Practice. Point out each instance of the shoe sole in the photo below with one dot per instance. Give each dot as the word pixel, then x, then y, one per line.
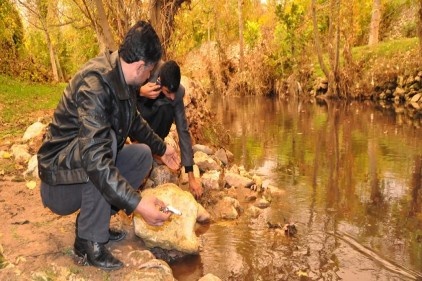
pixel 118 239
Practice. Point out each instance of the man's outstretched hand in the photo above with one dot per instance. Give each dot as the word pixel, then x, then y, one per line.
pixel 171 159
pixel 149 209
pixel 194 186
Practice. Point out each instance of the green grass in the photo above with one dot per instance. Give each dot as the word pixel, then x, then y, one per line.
pixel 372 56
pixel 22 103
pixel 385 50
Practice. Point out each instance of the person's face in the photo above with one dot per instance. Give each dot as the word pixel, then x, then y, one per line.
pixel 167 93
pixel 140 72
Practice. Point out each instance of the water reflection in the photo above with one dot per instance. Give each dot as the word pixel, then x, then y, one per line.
pixel 352 176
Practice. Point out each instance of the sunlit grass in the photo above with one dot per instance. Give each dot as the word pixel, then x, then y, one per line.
pixel 22 102
pixel 391 51
pixel 385 50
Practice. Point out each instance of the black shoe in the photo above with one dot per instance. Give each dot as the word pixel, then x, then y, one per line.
pixel 116 235
pixel 96 254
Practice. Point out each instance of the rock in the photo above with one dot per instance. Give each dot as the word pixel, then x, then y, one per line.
pixel 210 180
pixel 209 277
pixel 32 169
pixel 237 180
pixel 222 156
pixel 205 149
pixel 262 203
pixel 152 270
pixel 227 208
pixel 33 130
pixel 205 162
pixel 161 174
pixel 179 232
pixel 20 153
pixel 253 211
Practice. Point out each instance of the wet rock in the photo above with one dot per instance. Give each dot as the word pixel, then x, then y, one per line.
pixel 227 208
pixel 179 232
pixel 253 211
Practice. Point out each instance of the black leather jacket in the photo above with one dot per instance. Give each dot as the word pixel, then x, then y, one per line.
pixel 78 145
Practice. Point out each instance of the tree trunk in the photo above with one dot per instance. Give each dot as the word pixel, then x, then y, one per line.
pixel 103 29
pixel 162 13
pixel 375 23
pixel 317 41
pixel 239 4
pixel 52 57
pixel 155 16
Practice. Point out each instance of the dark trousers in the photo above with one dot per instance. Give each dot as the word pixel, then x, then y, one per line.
pixel 134 162
pixel 160 118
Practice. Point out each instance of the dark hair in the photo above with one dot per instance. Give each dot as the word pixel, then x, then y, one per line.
pixel 141 43
pixel 170 75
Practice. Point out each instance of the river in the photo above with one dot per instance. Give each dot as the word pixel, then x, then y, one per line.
pixel 351 180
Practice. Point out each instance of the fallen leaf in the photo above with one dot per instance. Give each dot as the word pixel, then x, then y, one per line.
pixel 301 273
pixel 6 155
pixel 31 184
pixel 19 166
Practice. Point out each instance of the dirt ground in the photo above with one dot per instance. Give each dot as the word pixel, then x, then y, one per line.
pixel 36 244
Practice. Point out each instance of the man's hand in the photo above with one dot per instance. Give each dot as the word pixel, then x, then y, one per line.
pixel 150 90
pixel 171 159
pixel 149 209
pixel 194 186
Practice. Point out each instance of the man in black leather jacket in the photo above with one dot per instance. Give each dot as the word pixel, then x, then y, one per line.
pixel 161 104
pixel 84 163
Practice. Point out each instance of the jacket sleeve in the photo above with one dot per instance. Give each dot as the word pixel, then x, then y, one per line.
pixel 95 144
pixel 182 128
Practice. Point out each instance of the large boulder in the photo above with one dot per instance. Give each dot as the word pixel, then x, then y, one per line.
pixel 178 233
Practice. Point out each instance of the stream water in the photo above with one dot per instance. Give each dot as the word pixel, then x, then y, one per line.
pixel 350 174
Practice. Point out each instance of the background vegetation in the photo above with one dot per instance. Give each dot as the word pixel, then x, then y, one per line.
pixel 233 47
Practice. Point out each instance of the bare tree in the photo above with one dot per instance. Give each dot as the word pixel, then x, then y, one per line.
pixel 94 13
pixel 103 28
pixel 375 23
pixel 239 4
pixel 339 29
pixel 40 14
pixel 162 13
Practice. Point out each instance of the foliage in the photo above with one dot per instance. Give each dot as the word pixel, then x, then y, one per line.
pixel 291 22
pixel 11 35
pixel 392 19
pixel 252 33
